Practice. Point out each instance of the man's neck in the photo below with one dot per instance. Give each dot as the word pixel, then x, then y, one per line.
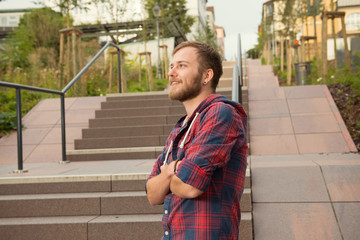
pixel 191 104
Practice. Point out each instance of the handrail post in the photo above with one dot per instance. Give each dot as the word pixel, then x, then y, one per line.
pixel 240 83
pixel 245 71
pixel 119 68
pixel 19 132
pixel 240 60
pixel 63 129
pixel 235 84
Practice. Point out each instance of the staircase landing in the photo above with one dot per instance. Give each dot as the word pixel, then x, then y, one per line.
pixel 305 169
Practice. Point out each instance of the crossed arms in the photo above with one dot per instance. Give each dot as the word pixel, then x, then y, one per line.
pixel 159 186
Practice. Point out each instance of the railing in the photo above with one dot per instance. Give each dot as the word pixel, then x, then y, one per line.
pixel 62 93
pixel 238 75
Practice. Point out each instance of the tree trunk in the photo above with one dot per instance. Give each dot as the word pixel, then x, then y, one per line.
pixel 288 62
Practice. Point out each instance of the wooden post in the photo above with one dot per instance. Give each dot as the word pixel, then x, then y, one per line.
pixel 269 53
pixel 151 87
pixel 122 66
pixel 61 60
pixel 165 63
pixel 68 50
pixel 80 62
pixel 148 72
pixel 73 35
pixel 288 61
pixel 74 63
pixel 334 37
pixel 324 47
pixel 347 55
pixel 111 71
pixel 73 54
pixel 140 82
pixel 281 53
pixel 302 50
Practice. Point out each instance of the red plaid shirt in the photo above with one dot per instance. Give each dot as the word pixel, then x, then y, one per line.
pixel 213 161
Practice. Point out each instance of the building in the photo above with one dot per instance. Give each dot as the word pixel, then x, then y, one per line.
pixel 112 11
pixel 220 35
pixel 197 9
pixel 10 14
pixel 304 32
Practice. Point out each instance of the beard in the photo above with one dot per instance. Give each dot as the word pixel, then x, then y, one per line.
pixel 186 91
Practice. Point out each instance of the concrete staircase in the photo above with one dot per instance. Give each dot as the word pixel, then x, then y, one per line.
pixel 113 206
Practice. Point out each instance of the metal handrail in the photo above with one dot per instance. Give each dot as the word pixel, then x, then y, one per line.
pixel 62 93
pixel 238 75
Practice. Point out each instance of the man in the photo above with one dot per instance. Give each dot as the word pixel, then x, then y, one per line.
pixel 200 175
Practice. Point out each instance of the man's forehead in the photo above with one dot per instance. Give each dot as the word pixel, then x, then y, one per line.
pixel 185 54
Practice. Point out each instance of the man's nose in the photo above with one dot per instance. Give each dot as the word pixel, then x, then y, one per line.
pixel 172 72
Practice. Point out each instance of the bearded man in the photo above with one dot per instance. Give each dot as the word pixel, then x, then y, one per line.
pixel 199 177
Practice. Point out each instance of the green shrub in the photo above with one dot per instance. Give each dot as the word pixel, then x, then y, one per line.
pixel 7 122
pixel 8 107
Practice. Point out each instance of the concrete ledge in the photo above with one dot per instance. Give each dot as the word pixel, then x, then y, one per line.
pixel 115 150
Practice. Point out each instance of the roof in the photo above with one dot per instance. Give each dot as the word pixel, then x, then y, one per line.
pixel 210 9
pixel 219 27
pixel 7 5
pixel 347 3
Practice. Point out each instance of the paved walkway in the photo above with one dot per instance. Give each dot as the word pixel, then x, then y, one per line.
pixel 305 172
pixel 305 178
pixel 42 133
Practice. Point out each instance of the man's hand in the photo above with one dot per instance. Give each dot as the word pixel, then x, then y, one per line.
pixel 159 186
pixel 168 169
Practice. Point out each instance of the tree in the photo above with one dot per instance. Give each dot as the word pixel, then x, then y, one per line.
pixel 170 9
pixel 209 37
pixel 67 5
pixel 39 28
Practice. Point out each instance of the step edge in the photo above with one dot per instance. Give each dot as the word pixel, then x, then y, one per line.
pixel 114 150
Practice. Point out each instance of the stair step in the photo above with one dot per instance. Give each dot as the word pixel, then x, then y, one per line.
pixel 45 228
pixel 138 96
pixel 109 132
pixel 227 72
pixel 93 183
pixel 120 142
pixel 133 121
pixel 225 82
pixel 46 205
pixel 149 111
pixel 114 154
pixel 108 226
pixel 82 204
pixel 129 227
pixel 137 103
pixel 128 203
pixel 141 96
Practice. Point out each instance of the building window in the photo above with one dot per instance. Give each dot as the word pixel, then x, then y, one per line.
pixel 4 21
pixel 269 10
pixel 352 21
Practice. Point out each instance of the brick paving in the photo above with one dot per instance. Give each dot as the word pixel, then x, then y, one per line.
pixel 304 165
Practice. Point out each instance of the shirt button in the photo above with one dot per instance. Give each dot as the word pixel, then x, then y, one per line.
pixel 166 233
pixel 166 212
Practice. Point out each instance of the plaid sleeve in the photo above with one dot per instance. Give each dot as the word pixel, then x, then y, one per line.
pixel 156 168
pixel 218 130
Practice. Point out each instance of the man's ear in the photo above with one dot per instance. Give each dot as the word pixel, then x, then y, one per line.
pixel 208 75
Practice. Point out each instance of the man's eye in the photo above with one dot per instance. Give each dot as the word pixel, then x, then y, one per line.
pixel 181 65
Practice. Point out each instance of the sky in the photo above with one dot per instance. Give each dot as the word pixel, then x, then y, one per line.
pixel 17 4
pixel 235 16
pixel 238 17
